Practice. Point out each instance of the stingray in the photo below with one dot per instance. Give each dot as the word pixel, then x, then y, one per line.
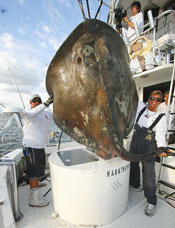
pixel 95 97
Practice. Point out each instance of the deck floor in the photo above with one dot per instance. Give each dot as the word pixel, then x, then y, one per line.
pixel 133 217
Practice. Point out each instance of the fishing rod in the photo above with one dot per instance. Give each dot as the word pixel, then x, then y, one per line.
pixel 16 86
pixel 2 105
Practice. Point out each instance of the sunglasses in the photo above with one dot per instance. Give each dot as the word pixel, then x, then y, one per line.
pixel 155 98
pixel 37 99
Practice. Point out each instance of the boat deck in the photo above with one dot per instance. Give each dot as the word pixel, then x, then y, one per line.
pixel 133 217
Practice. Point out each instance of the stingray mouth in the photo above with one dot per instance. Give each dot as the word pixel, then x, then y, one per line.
pixel 106 149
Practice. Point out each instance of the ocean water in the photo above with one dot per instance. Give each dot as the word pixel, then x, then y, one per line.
pixel 13 139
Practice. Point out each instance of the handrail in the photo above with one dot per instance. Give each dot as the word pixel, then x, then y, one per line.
pixel 13 163
pixel 163 14
pixel 149 23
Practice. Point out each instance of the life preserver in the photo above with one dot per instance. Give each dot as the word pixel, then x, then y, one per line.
pixel 142 51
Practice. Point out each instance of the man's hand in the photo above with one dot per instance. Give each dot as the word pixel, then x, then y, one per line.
pixel 119 31
pixel 125 19
pixel 162 151
pixel 49 101
pixel 162 155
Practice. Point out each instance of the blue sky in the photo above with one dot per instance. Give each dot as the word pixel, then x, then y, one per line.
pixel 31 31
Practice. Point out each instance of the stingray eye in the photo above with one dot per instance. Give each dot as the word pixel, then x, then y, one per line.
pixel 79 60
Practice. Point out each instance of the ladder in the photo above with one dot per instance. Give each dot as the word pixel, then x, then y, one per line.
pixel 163 161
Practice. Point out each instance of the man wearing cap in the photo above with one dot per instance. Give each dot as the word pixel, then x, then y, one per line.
pixel 35 139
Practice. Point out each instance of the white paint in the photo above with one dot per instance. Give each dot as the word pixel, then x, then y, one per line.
pixel 94 193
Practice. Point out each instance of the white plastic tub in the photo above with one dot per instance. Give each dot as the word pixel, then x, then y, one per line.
pixel 86 189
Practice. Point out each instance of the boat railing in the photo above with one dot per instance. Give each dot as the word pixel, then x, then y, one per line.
pixel 151 25
pixel 160 33
pixel 14 115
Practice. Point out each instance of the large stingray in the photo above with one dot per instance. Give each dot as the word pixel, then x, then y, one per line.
pixel 95 97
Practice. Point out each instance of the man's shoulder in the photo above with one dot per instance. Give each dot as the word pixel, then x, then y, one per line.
pixel 138 15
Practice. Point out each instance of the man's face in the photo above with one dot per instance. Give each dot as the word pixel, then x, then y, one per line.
pixel 134 10
pixel 35 102
pixel 153 102
pixel 166 98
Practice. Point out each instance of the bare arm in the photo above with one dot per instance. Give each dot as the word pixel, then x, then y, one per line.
pixel 130 24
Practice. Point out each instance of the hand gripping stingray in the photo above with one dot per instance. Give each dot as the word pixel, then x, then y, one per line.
pixel 95 97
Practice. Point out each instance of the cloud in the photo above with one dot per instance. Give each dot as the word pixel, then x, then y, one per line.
pixel 21 31
pixel 7 40
pixel 54 43
pixel 46 28
pixel 29 46
pixel 42 44
pixel 67 3
pixel 18 62
pixel 21 2
pixel 53 12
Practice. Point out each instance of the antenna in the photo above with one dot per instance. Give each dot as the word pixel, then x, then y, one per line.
pixel 16 86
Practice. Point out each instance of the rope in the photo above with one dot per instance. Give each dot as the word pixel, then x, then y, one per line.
pixel 101 2
pixel 59 141
pixel 87 3
pixel 167 199
pixel 81 8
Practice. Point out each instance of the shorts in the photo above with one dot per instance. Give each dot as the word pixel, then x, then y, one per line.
pixel 35 162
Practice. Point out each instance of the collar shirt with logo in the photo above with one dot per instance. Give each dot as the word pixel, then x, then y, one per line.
pixel 147 118
pixel 36 126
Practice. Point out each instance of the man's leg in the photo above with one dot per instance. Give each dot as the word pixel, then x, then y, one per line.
pixel 149 185
pixel 135 174
pixel 149 180
pixel 137 47
pixel 35 162
pixel 141 60
pixel 33 183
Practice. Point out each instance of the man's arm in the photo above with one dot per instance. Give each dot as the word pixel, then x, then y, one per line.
pixel 161 130
pixel 34 111
pixel 130 24
pixel 138 18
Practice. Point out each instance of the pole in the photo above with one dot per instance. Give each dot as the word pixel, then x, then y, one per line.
pixel 16 86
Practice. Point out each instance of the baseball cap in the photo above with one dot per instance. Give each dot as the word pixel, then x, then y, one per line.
pixel 34 96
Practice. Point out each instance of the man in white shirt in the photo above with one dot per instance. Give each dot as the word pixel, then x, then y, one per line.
pixel 137 17
pixel 35 139
pixel 148 141
pixel 163 108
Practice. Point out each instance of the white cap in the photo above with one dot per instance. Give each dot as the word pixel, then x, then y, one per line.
pixel 35 95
